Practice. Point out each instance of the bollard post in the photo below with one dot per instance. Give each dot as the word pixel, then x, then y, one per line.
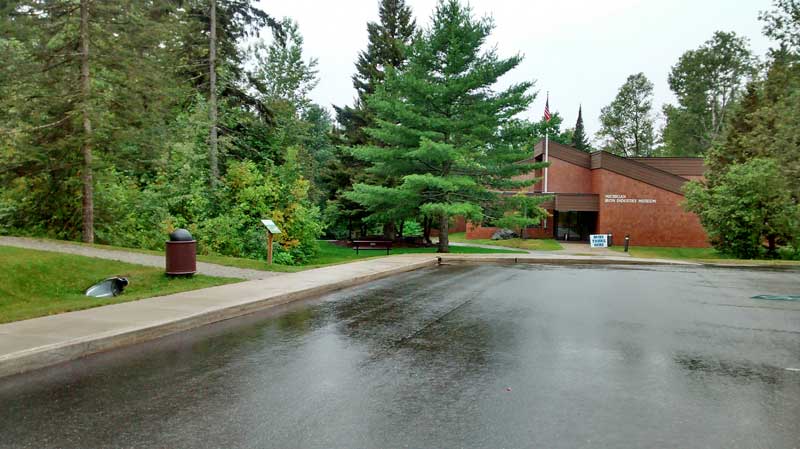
pixel 269 248
pixel 627 241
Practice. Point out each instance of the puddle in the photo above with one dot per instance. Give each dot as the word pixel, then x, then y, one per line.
pixel 778 297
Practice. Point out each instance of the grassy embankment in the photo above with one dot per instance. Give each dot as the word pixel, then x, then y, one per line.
pixel 527 244
pixel 706 255
pixel 37 283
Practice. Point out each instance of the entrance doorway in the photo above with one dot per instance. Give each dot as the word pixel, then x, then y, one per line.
pixel 574 226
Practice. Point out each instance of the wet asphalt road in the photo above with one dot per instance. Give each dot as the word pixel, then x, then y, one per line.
pixel 488 356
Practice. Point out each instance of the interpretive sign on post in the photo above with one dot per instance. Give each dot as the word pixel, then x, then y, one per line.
pixel 598 240
pixel 272 229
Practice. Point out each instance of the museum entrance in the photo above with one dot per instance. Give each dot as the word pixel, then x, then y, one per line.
pixel 574 226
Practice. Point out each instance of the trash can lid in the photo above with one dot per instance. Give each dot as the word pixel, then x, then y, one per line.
pixel 180 235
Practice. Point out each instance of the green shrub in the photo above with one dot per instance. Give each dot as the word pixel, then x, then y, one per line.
pixel 749 205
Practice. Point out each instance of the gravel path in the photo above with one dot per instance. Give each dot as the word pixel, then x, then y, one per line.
pixel 209 269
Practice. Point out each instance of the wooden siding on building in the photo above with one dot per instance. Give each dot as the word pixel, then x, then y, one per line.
pixel 579 202
pixel 666 173
pixel 681 166
pixel 638 171
pixel 565 153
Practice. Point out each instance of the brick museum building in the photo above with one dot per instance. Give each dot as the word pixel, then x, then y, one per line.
pixel 601 193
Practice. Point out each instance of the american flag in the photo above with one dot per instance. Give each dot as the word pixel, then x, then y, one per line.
pixel 547 109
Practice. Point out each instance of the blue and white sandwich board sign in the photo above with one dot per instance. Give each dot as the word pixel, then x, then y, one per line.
pixel 598 240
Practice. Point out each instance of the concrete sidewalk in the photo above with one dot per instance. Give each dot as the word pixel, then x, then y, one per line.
pixel 40 342
pixel 149 260
pixel 569 248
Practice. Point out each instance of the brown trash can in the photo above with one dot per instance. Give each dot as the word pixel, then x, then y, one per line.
pixel 181 254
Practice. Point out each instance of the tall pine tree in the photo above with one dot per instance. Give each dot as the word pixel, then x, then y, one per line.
pixel 443 131
pixel 92 89
pixel 388 41
pixel 579 138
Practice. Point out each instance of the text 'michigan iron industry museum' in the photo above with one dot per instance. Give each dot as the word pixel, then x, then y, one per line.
pixel 602 193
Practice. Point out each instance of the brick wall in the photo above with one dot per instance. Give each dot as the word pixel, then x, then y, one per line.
pixel 563 177
pixel 459 225
pixel 663 223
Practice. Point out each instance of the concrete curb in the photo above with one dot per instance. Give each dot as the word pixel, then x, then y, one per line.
pixel 561 260
pixel 52 354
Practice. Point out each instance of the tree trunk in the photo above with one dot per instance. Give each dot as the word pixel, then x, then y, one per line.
pixel 772 249
pixel 212 95
pixel 389 231
pixel 444 240
pixel 426 230
pixel 86 143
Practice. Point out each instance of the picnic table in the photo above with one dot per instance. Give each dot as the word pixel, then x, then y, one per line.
pixel 372 244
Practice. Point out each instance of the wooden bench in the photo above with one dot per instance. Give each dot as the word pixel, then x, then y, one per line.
pixel 372 244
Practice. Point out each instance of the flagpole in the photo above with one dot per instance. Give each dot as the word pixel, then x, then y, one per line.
pixel 546 158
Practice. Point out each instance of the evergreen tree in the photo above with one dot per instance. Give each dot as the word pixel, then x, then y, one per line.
pixel 71 95
pixel 579 138
pixel 750 203
pixel 386 48
pixel 751 192
pixel 388 40
pixel 443 131
pixel 225 23
pixel 765 123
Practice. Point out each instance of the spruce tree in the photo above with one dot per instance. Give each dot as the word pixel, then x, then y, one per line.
pixel 579 139
pixel 388 40
pixel 442 129
pixel 93 88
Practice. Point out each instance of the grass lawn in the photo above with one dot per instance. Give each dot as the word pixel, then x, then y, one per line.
pixel 328 254
pixel 708 255
pixel 36 283
pixel 528 244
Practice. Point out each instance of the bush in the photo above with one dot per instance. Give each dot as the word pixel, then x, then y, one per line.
pixel 412 229
pixel 789 253
pixel 226 222
pixel 750 204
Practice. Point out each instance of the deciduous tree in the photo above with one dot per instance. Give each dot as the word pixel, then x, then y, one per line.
pixel 748 205
pixel 707 82
pixel 627 123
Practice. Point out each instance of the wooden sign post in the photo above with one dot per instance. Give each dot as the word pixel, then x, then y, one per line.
pixel 272 229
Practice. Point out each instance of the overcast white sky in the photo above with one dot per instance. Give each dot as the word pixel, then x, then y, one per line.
pixel 579 50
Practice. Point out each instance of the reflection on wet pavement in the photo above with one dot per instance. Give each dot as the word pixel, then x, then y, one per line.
pixel 457 356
